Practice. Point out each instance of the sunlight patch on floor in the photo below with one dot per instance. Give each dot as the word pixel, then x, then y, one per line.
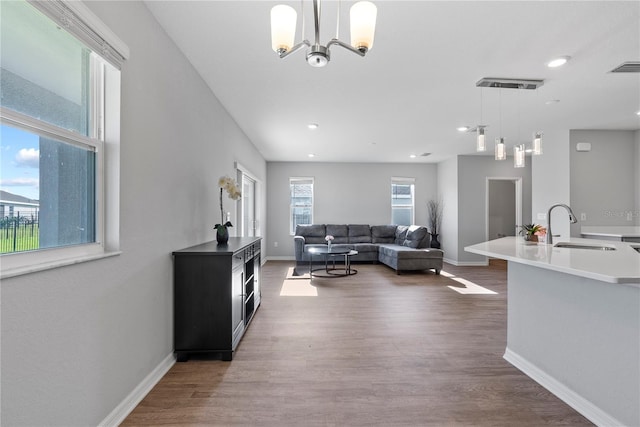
pixel 298 288
pixel 470 288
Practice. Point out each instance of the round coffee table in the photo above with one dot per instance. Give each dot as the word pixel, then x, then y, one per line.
pixel 332 254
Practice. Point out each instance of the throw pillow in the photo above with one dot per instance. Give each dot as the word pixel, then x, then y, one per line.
pixel 415 234
pixel 401 234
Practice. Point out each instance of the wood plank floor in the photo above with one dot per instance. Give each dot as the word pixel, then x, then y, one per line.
pixel 371 349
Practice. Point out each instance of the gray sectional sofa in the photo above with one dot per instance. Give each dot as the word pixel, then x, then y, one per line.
pixel 397 246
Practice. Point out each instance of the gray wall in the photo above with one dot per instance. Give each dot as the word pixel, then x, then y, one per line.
pixel 603 180
pixel 502 208
pixel 473 172
pixel 76 340
pixel 550 180
pixel 344 193
pixel 448 191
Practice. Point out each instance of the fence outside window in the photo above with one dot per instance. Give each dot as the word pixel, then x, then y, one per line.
pixel 19 233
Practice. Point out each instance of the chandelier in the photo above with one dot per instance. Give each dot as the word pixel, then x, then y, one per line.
pixel 283 29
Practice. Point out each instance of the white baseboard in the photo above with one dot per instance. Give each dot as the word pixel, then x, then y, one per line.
pixel 281 258
pixel 564 393
pixel 466 263
pixel 129 403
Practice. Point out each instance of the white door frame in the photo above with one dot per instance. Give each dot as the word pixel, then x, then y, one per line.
pixel 241 170
pixel 518 182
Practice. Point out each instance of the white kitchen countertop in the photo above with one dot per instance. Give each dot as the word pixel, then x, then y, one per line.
pixel 620 231
pixel 619 266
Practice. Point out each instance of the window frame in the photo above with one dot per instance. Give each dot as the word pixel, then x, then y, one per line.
pixel 404 181
pixel 103 140
pixel 292 180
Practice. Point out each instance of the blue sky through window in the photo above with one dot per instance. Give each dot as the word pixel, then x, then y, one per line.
pixel 19 162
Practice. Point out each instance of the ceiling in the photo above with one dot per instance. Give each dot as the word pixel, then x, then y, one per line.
pixel 417 83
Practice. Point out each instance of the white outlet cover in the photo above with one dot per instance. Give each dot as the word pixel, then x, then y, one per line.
pixel 583 146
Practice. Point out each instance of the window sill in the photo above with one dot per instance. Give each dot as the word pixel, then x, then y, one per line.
pixel 19 271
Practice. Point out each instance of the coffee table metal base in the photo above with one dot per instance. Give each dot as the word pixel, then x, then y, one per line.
pixel 332 271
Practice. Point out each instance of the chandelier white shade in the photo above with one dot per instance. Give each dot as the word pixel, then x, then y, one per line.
pixel 363 25
pixel 283 27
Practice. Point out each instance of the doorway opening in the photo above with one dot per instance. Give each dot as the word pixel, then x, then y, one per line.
pixel 504 207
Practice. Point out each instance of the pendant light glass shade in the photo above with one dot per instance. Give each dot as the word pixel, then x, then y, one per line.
pixel 363 25
pixel 481 142
pixel 501 152
pixel 518 156
pixel 537 143
pixel 283 27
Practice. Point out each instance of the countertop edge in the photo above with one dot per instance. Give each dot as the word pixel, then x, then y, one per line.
pixel 623 279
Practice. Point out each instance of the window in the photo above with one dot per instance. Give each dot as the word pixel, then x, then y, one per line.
pixel 301 211
pixel 402 201
pixel 59 121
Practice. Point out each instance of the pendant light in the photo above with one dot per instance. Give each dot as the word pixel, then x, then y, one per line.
pixel 537 144
pixel 519 159
pixel 481 142
pixel 500 150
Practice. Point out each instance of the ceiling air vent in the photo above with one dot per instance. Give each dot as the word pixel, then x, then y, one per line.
pixel 509 83
pixel 425 154
pixel 627 67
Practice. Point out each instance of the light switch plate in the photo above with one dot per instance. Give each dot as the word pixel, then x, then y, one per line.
pixel 542 216
pixel 583 216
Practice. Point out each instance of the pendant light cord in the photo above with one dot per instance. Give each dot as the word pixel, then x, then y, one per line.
pixel 338 21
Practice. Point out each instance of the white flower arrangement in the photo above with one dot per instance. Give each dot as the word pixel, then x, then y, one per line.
pixel 231 187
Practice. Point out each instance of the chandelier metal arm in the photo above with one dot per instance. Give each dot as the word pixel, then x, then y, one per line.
pixel 285 53
pixel 360 52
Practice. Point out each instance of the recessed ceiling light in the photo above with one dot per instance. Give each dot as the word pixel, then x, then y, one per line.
pixel 311 155
pixel 313 126
pixel 552 101
pixel 558 62
pixel 413 156
pixel 463 128
pixel 638 113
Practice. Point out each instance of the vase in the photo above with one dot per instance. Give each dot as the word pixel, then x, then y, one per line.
pixel 434 241
pixel 222 235
pixel 530 237
pixel 329 245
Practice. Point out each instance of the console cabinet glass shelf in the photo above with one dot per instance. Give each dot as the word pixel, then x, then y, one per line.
pixel 216 293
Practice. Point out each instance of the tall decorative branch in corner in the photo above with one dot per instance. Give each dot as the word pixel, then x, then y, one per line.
pixel 228 184
pixel 435 220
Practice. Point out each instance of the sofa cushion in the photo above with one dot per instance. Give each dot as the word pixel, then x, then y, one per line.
pixel 401 234
pixel 383 233
pixel 415 234
pixel 405 252
pixel 340 232
pixel 313 233
pixel 359 233
pixel 365 247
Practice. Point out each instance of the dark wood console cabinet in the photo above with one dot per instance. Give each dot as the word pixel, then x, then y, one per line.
pixel 216 291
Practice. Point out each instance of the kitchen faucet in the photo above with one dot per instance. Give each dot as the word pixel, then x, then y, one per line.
pixel 572 218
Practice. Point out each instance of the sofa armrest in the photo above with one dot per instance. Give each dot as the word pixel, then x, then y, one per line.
pixel 298 247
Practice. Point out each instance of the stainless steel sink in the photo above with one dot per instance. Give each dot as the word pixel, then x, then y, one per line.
pixel 583 246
